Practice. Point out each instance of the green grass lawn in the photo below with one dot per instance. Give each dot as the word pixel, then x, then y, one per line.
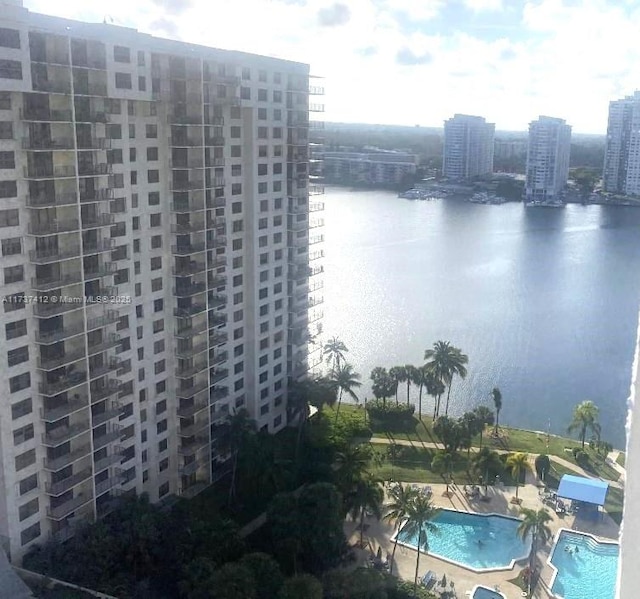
pixel 621 459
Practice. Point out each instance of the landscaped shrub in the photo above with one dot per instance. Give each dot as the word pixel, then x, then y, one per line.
pixel 391 417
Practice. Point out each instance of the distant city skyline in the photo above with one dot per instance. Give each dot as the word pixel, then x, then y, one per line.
pixel 507 61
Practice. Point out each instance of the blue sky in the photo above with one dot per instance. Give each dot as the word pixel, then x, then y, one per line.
pixel 411 62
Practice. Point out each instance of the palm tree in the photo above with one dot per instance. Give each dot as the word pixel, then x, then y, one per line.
pixel 485 462
pixel 484 415
pixel 345 379
pixel 334 351
pixel 497 402
pixel 418 523
pixel 383 384
pixel 446 361
pixel 397 510
pixel 367 496
pixel 238 427
pixel 399 375
pixel 351 465
pixel 410 373
pixel 517 464
pixel 443 464
pixel 534 523
pixel 418 377
pixel 585 417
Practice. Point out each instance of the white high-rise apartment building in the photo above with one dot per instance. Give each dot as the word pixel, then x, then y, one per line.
pixel 468 147
pixel 622 155
pixel 174 181
pixel 547 159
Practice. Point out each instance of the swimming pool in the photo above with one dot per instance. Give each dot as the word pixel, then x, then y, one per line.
pixel 480 592
pixel 479 542
pixel 585 567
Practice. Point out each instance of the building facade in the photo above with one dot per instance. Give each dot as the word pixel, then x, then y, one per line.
pixel 159 261
pixel 548 152
pixel 468 147
pixel 371 167
pixel 621 173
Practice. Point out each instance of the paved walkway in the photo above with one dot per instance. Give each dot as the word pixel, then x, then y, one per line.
pixel 532 456
pixel 612 460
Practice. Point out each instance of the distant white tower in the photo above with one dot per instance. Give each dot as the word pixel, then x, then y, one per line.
pixel 468 147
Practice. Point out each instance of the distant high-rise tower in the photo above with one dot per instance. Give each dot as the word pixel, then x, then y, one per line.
pixel 468 147
pixel 622 155
pixel 547 158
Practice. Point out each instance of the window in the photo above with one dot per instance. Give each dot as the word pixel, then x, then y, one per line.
pixel 238 333
pixel 238 385
pixel 21 435
pixel 10 69
pixel 156 263
pixel 158 325
pixel 13 274
pixel 154 198
pixel 262 95
pixel 236 151
pixel 121 54
pixel 123 80
pixel 163 489
pixel 12 246
pixel 5 101
pixel 277 133
pixel 246 73
pixel 238 315
pixel 277 114
pixel 159 367
pixel 140 58
pixel 156 284
pixel 9 38
pixel 156 240
pixel 236 189
pixel 163 445
pixel 22 408
pixel 114 156
pixel 263 132
pixel 29 534
pixel 25 459
pixel 114 131
pixel 142 83
pixel 18 356
pixel 152 153
pixel 20 382
pixel 245 93
pixel 277 96
pixel 134 177
pixel 236 244
pixel 161 387
pixel 262 169
pixel 262 114
pixel 238 368
pixel 153 176
pixel 28 484
pixel 236 170
pixel 8 189
pixel 158 306
pixel 151 131
pixel 236 132
pixel 7 160
pixel 132 154
pixel 237 226
pixel 6 130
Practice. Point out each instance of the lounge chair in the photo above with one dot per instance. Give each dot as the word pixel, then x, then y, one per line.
pixel 429 579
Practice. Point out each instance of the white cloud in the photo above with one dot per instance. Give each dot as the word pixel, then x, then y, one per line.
pixel 483 5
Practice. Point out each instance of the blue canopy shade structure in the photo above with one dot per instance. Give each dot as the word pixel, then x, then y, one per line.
pixel 579 488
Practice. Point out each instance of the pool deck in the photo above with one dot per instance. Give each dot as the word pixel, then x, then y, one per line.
pixel 379 534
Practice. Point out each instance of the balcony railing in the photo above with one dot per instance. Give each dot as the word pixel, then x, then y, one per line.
pixel 96 195
pixel 110 387
pixel 112 433
pixel 217 140
pixel 64 485
pixel 62 434
pixel 187 227
pixel 190 391
pixel 44 114
pixel 188 370
pixel 188 410
pixel 219 375
pixel 90 89
pixel 107 484
pixel 220 358
pixel 191 206
pixel 111 340
pixel 54 255
pixel 191 429
pixel 64 410
pixel 103 270
pixel 218 281
pixel 188 352
pixel 219 393
pixel 63 384
pixel 93 143
pixel 217 301
pixel 187 184
pixel 92 170
pixel 191 467
pixel 51 201
pixel 189 311
pixel 96 221
pixel 193 268
pixel 193 445
pixel 104 245
pixel 70 356
pixel 112 411
pixel 187 332
pixel 217 339
pixel 185 119
pixel 91 116
pixel 64 509
pixel 49 145
pixel 189 290
pixel 186 249
pixel 53 226
pixel 102 369
pixel 185 142
pixel 109 317
pixel 57 305
pixel 114 458
pixel 217 320
pixel 65 460
pixel 45 85
pixel 39 171
pixel 61 280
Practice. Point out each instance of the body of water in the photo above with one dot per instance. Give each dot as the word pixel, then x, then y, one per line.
pixel 544 301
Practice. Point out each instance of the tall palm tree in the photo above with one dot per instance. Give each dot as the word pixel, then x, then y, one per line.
pixel 497 402
pixel 418 377
pixel 396 512
pixel 333 352
pixel 366 496
pixel 384 385
pixel 351 465
pixel 446 361
pixel 585 417
pixel 434 386
pixel 344 380
pixel 238 428
pixel 409 377
pixel 534 523
pixel 517 464
pixel 442 463
pixel 484 415
pixel 399 375
pixel 418 523
pixel 485 462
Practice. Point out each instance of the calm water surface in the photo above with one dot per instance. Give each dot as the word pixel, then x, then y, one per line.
pixel 544 301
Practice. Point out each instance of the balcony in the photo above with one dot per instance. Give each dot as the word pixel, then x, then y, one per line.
pixel 193 445
pixel 113 411
pixel 61 511
pixel 190 391
pixel 111 387
pixel 107 484
pixel 103 463
pixel 217 339
pixel 189 289
pixel 187 332
pixel 93 143
pixel 44 114
pixel 103 270
pixel 70 356
pixel 218 281
pixel 220 358
pixel 316 239
pixel 53 255
pixel 104 245
pixel 217 301
pixel 191 429
pixel 65 383
pixel 186 371
pixel 193 268
pixel 47 145
pixel 64 410
pixel 189 311
pixel 46 284
pixel 90 89
pixel 184 207
pixel 96 195
pixel 109 317
pixel 47 171
pixel 187 227
pixel 189 410
pixel 61 434
pixel 91 116
pixel 194 350
pixel 53 227
pixel 217 320
pixel 216 182
pixel 112 433
pixel 187 184
pixel 89 62
pixel 219 375
pixel 111 340
pixel 219 393
pixel 93 170
pixel 95 221
pixel 102 369
pixel 215 161
pixel 55 464
pixel 191 467
pixel 220 241
pixel 214 141
pixel 184 119
pixel 62 486
pixel 185 141
pixel 58 199
pixel 186 249
pixel 55 305
pixel 55 87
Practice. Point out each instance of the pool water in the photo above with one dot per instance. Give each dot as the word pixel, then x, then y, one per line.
pixel 486 593
pixel 475 541
pixel 589 572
